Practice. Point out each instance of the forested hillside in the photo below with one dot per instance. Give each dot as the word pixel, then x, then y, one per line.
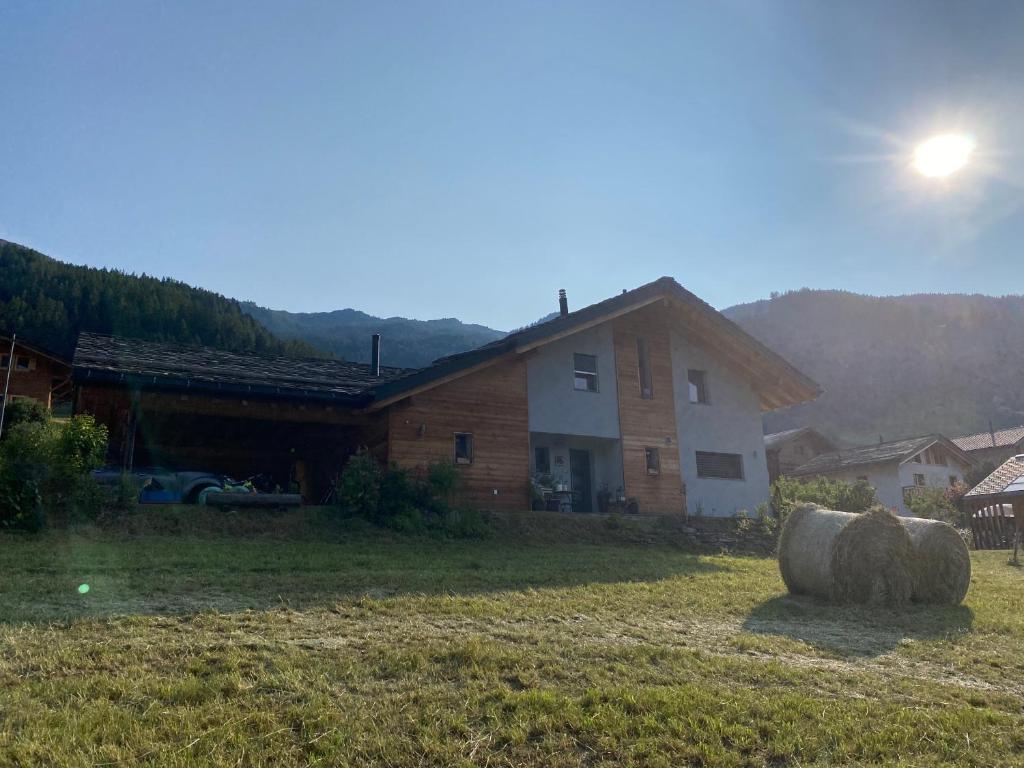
pixel 48 302
pixel 346 334
pixel 897 366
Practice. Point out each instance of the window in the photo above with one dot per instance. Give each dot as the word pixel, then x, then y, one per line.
pixel 653 458
pixel 5 360
pixel 698 386
pixel 584 373
pixel 542 460
pixel 22 363
pixel 953 479
pixel 918 480
pixel 724 466
pixel 917 459
pixel 463 448
pixel 644 362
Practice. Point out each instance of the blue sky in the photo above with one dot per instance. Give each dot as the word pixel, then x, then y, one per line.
pixel 469 159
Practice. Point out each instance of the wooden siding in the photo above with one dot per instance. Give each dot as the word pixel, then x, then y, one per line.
pixel 490 404
pixel 648 423
pixel 36 383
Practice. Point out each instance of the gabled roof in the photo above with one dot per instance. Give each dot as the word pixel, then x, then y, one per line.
pixel 5 347
pixel 1007 474
pixel 1002 438
pixel 898 451
pixel 778 439
pixel 777 382
pixel 162 365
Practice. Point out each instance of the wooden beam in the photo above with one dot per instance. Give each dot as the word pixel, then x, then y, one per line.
pixel 427 385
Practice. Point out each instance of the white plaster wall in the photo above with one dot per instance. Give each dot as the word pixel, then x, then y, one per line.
pixel 729 423
pixel 556 407
pixel 886 480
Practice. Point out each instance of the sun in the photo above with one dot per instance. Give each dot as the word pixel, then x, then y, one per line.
pixel 943 155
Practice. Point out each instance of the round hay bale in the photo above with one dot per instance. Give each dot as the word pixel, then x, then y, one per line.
pixel 846 557
pixel 942 563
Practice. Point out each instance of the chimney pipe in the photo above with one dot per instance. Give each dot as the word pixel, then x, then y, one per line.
pixel 563 303
pixel 375 356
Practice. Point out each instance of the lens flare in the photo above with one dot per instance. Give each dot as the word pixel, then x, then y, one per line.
pixel 942 156
pixel 83 588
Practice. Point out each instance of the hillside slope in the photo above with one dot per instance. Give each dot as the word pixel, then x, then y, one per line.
pixel 49 302
pixel 346 334
pixel 897 366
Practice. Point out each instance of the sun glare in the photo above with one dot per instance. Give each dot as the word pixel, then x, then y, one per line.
pixel 942 156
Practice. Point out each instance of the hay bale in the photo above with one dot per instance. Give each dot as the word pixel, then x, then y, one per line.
pixel 846 557
pixel 942 563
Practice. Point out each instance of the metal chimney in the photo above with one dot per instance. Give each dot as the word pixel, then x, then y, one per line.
pixel 375 355
pixel 563 303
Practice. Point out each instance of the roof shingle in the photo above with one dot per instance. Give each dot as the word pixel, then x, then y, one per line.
pixel 162 364
pixel 1003 476
pixel 882 453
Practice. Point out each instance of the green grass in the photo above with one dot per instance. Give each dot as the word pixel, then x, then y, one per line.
pixel 555 643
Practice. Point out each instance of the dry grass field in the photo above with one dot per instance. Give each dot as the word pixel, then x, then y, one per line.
pixel 558 643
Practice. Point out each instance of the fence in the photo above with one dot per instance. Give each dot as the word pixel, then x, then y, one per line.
pixel 993 527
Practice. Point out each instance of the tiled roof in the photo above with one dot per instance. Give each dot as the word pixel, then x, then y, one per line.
pixel 1003 476
pixel 1003 439
pixel 881 453
pixel 178 366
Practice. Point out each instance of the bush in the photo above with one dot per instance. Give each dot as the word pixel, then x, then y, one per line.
pixel 44 468
pixel 405 501
pixel 936 503
pixel 788 492
pixel 24 410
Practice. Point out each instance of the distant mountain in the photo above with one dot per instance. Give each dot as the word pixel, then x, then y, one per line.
pixel 896 366
pixel 48 302
pixel 346 333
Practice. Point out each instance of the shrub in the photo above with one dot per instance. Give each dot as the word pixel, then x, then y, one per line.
pixel 788 492
pixel 44 468
pixel 935 504
pixel 359 487
pixel 23 410
pixel 405 501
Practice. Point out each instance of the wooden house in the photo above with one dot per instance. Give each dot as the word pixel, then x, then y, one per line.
pixel 793 448
pixel 651 395
pixel 35 373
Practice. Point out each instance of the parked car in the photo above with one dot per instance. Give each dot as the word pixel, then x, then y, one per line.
pixel 164 486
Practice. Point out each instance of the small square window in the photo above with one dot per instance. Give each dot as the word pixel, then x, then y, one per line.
pixel 584 373
pixel 698 385
pixel 953 480
pixel 542 460
pixel 5 361
pixel 919 480
pixel 463 448
pixel 653 458
pixel 23 363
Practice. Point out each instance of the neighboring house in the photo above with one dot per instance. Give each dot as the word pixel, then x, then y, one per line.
pixel 896 469
pixel 992 447
pixel 652 392
pixel 793 448
pixel 35 373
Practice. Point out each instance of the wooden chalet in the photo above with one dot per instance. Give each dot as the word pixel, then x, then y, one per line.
pixel 651 395
pixel 35 373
